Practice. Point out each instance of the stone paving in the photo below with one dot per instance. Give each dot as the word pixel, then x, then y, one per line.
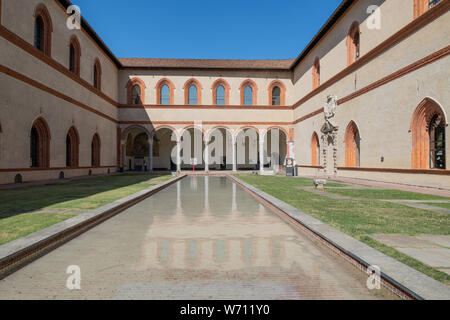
pixel 201 238
pixel 433 250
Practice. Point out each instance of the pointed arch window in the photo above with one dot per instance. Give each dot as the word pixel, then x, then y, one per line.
pixel 422 6
pixel 43 30
pixel 95 151
pixel 316 73
pixel 353 43
pixel 74 56
pixel 352 146
pixel 428 127
pixel 72 148
pixel 97 75
pixel 315 150
pixel 40 144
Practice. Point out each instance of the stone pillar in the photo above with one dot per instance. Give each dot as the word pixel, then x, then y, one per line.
pixel 234 146
pixel 178 155
pixel 261 152
pixel 206 155
pixel 150 155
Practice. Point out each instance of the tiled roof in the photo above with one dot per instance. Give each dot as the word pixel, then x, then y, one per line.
pixel 284 64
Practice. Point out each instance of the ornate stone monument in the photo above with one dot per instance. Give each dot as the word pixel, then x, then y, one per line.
pixel 329 136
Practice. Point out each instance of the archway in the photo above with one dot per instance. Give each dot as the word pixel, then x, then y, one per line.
pixel 220 149
pixel 247 149
pixel 164 149
pixel 137 151
pixel 352 145
pixel 275 149
pixel 40 144
pixel 428 136
pixel 192 149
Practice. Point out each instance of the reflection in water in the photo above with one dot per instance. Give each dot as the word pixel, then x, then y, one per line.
pixel 201 238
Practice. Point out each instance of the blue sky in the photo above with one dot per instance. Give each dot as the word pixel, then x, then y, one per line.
pixel 207 29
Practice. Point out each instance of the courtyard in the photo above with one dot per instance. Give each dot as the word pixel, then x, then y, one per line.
pixel 205 234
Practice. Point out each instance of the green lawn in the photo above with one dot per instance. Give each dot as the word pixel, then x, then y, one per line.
pixel 384 194
pixel 360 218
pixel 440 205
pixel 29 209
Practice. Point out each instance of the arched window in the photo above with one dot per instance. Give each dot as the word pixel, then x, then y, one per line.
pixel 316 74
pixel 135 91
pixel 192 92
pixel 248 96
pixel 72 148
pixel 315 150
pixel 95 151
pixel 40 144
pixel 164 92
pixel 193 95
pixel 249 90
pixel 97 75
pixel 428 136
pixel 422 6
pixel 220 95
pixel 74 55
pixel 276 96
pixel 353 44
pixel 277 93
pixel 221 92
pixel 352 146
pixel 43 30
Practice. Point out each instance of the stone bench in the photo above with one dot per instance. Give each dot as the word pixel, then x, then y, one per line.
pixel 320 183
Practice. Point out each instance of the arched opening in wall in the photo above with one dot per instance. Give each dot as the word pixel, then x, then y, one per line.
pixel 353 43
pixel 96 151
pixel 315 150
pixel 247 149
pixel 40 144
pixel 164 149
pixel 249 92
pixel 164 92
pixel 137 152
pixel 220 149
pixel 221 92
pixel 74 55
pixel 277 93
pixel 275 147
pixel 97 75
pixel 352 145
pixel 43 29
pixel 135 92
pixel 192 149
pixel 192 92
pixel 316 73
pixel 422 6
pixel 428 136
pixel 72 148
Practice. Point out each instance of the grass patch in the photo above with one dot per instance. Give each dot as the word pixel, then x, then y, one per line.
pixel 20 210
pixel 360 218
pixel 440 205
pixel 382 194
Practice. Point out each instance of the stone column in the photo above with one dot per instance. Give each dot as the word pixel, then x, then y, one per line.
pixel 261 152
pixel 150 155
pixel 234 146
pixel 206 155
pixel 178 155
